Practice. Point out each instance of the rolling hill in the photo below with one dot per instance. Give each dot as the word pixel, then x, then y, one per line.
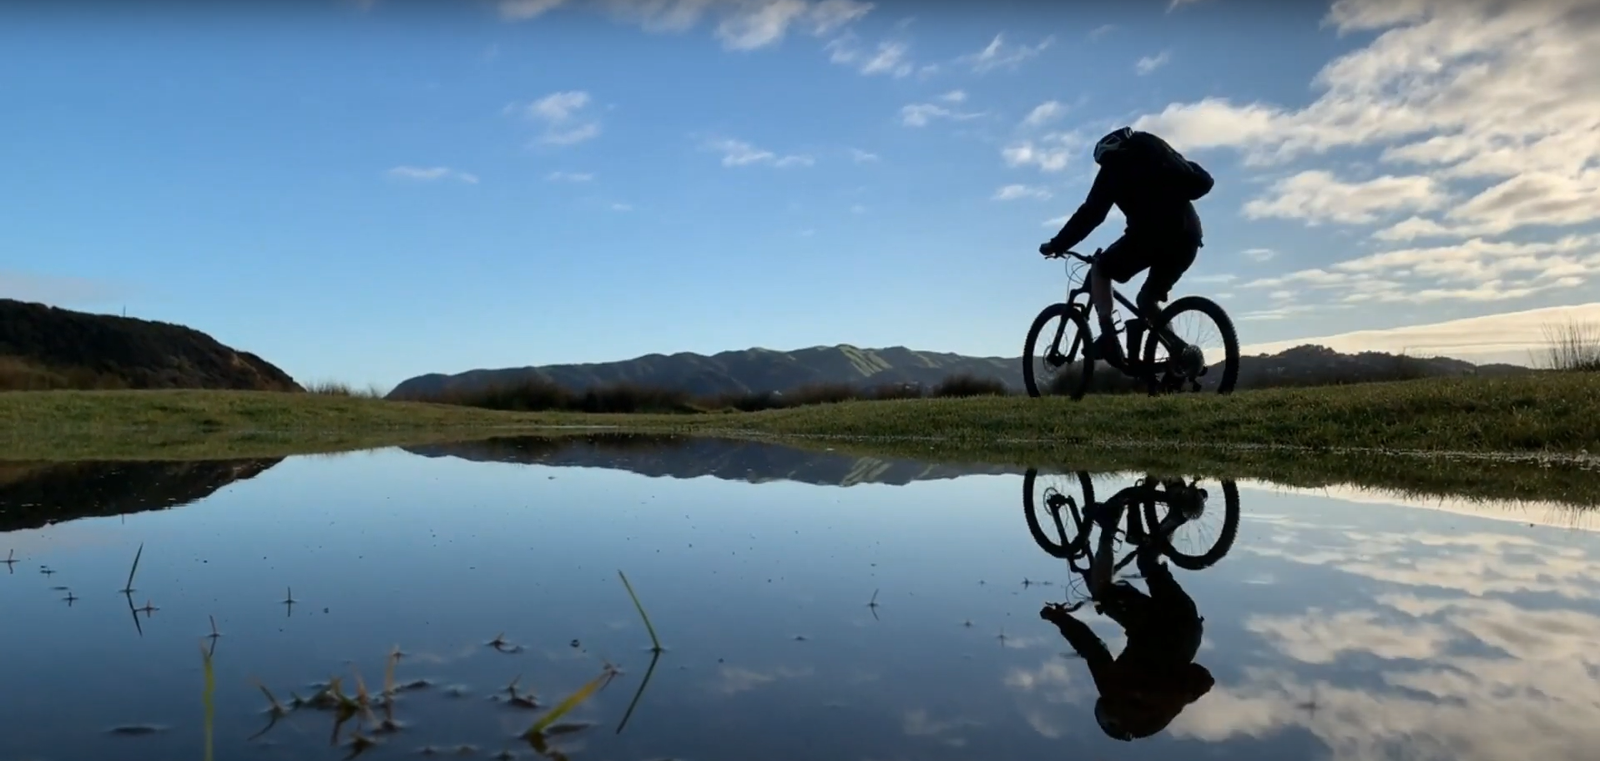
pixel 44 347
pixel 766 370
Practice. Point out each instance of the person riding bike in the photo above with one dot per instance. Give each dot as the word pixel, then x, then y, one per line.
pixel 1155 187
pixel 1155 678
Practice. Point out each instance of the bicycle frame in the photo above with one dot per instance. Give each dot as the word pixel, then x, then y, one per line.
pixel 1136 344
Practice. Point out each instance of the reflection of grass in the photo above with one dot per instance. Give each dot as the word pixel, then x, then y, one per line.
pixel 1471 478
pixel 208 691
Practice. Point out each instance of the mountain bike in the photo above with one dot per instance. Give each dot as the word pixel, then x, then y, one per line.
pixel 1160 510
pixel 1183 365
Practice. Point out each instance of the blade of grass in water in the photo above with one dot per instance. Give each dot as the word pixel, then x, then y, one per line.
pixel 571 702
pixel 655 644
pixel 134 569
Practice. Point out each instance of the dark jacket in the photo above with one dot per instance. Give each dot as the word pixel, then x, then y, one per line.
pixel 1151 183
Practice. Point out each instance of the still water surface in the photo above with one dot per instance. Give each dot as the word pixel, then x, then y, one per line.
pixel 810 606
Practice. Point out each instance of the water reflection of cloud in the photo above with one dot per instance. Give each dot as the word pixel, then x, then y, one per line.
pixel 1471 671
pixel 732 680
pixel 918 723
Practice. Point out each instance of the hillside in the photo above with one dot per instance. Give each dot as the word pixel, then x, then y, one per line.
pixel 765 370
pixel 43 347
pixel 748 371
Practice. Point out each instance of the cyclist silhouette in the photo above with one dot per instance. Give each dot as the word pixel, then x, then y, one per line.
pixel 1155 678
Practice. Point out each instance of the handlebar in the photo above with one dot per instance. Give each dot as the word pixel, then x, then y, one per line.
pixel 1089 259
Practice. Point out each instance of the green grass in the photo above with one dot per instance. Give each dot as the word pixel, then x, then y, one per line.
pixel 1550 413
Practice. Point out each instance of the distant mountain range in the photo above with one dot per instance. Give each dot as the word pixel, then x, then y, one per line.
pixel 766 370
pixel 660 456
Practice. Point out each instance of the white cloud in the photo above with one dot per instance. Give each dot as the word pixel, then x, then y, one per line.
pixel 739 153
pixel 863 157
pixel 921 114
pixel 742 24
pixel 1317 196
pixel 564 115
pixel 1473 89
pixel 428 174
pixel 1148 64
pixel 622 207
pixel 522 10
pixel 1050 153
pixel 858 209
pixel 1101 31
pixel 1259 254
pixel 954 96
pixel 570 177
pixel 1014 192
pixel 1044 113
pixel 892 57
pixel 1176 4
pixel 997 54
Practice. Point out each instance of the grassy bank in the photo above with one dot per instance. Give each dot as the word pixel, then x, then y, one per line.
pixel 1546 412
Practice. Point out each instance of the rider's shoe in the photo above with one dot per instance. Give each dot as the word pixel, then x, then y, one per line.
pixel 1106 349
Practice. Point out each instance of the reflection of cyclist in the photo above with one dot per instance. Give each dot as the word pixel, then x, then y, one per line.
pixel 1155 677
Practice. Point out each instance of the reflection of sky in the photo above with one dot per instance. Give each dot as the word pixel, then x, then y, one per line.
pixel 1357 630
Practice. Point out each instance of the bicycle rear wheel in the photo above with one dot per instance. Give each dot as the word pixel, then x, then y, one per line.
pixel 1200 553
pixel 1188 368
pixel 1057 365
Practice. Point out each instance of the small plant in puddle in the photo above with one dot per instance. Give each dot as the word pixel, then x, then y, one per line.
pixel 655 643
pixel 11 560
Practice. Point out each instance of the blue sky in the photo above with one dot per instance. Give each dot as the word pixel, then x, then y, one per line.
pixel 372 190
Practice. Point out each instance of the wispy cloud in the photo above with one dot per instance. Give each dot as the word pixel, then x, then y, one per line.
pixel 736 153
pixel 997 54
pixel 921 114
pixel 1044 113
pixel 522 10
pixel 1050 153
pixel 891 57
pixel 429 174
pixel 622 207
pixel 1017 191
pixel 1259 254
pixel 1101 31
pixel 564 115
pixel 954 96
pixel 1148 64
pixel 741 24
pixel 863 157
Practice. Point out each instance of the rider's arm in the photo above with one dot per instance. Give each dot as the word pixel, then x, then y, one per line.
pixel 1089 215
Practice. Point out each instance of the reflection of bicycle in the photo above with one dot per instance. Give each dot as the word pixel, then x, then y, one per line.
pixel 1182 365
pixel 1160 512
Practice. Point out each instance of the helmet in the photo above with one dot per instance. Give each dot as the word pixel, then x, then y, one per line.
pixel 1111 142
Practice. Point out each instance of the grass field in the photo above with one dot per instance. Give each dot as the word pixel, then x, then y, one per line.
pixel 1550 413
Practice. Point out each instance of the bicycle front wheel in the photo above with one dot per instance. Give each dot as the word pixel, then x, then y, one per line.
pixel 1054 357
pixel 1063 506
pixel 1205 353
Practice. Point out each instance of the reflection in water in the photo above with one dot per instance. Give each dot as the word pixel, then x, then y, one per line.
pixel 802 620
pixel 1155 677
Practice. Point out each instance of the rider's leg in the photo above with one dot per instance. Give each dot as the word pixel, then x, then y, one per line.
pixel 1169 266
pixel 1119 262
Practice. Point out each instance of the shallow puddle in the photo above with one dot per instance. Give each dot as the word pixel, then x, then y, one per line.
pixel 810 605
